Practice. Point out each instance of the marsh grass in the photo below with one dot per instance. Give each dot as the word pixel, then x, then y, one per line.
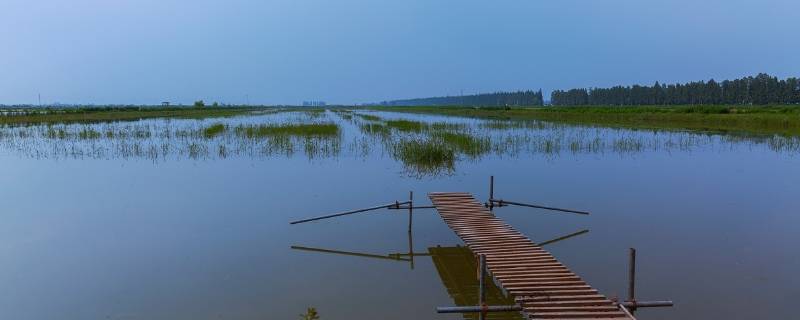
pixel 407 125
pixel 368 117
pixel 375 129
pixel 779 119
pixel 425 157
pixel 214 130
pixel 464 143
pixel 447 126
pixel 288 129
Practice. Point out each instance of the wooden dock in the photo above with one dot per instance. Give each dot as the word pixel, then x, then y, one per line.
pixel 543 286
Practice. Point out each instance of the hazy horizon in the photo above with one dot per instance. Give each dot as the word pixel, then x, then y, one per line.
pixel 356 51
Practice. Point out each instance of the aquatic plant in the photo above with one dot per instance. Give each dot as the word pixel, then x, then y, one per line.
pixel 406 125
pixel 213 130
pixel 425 157
pixel 310 314
pixel 306 130
pixel 368 117
pixel 464 143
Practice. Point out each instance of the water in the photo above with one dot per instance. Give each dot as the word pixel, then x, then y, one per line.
pixel 94 229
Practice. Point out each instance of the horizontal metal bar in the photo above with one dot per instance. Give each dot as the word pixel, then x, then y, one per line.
pixel 502 202
pixel 647 304
pixel 396 204
pixel 414 207
pixel 563 238
pixel 349 253
pixel 476 309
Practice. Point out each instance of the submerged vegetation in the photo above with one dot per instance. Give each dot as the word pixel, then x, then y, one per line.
pixel 214 130
pixel 406 125
pixel 303 130
pixel 425 157
pixel 423 148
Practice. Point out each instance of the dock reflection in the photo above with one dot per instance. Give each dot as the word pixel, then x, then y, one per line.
pixel 457 269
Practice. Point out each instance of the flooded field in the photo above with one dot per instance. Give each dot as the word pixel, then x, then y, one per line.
pixel 189 219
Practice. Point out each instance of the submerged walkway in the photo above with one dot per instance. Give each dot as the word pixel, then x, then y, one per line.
pixel 545 288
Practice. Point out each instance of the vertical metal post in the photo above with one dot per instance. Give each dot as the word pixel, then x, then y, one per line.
pixel 482 285
pixel 410 220
pixel 632 277
pixel 491 192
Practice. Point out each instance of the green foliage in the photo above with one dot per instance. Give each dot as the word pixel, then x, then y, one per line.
pixel 406 125
pixel 199 104
pixel 425 156
pixel 375 129
pixel 214 130
pixel 311 314
pixel 779 119
pixel 759 90
pixel 304 130
pixel 465 143
pixel 369 117
pixel 517 98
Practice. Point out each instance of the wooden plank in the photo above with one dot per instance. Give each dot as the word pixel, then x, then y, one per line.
pixel 544 287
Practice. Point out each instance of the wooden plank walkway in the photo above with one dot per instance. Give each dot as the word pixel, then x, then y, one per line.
pixel 545 288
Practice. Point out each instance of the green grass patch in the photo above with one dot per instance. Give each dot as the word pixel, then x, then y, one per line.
pixel 214 130
pixel 375 129
pixel 780 119
pixel 425 157
pixel 464 143
pixel 368 117
pixel 109 114
pixel 301 130
pixel 406 125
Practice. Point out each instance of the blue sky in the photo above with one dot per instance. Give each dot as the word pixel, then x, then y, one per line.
pixel 353 51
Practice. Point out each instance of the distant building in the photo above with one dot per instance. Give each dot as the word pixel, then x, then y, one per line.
pixel 314 103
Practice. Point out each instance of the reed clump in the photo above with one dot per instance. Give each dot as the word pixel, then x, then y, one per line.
pixel 214 130
pixel 368 117
pixel 464 143
pixel 299 130
pixel 425 156
pixel 407 125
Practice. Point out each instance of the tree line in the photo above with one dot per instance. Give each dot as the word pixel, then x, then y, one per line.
pixel 516 98
pixel 761 89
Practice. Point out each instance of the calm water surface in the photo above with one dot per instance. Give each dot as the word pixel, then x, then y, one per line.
pixel 160 220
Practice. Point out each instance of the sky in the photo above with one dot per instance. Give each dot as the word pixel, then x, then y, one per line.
pixel 358 51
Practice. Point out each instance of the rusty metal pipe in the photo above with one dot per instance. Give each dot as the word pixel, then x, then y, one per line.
pixel 396 204
pixel 476 309
pixel 502 202
pixel 647 304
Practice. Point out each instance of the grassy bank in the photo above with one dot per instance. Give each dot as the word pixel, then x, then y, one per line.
pixel 90 115
pixel 784 120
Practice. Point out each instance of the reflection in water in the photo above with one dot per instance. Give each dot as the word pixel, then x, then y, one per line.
pixel 457 268
pixel 424 145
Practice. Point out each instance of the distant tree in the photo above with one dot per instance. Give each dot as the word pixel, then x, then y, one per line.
pixel 215 104
pixel 761 89
pixel 199 103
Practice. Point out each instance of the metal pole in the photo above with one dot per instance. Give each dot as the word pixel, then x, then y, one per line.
pixel 410 209
pixel 491 192
pixel 501 202
pixel 476 309
pixel 632 278
pixel 648 304
pixel 410 220
pixel 396 204
pixel 482 284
